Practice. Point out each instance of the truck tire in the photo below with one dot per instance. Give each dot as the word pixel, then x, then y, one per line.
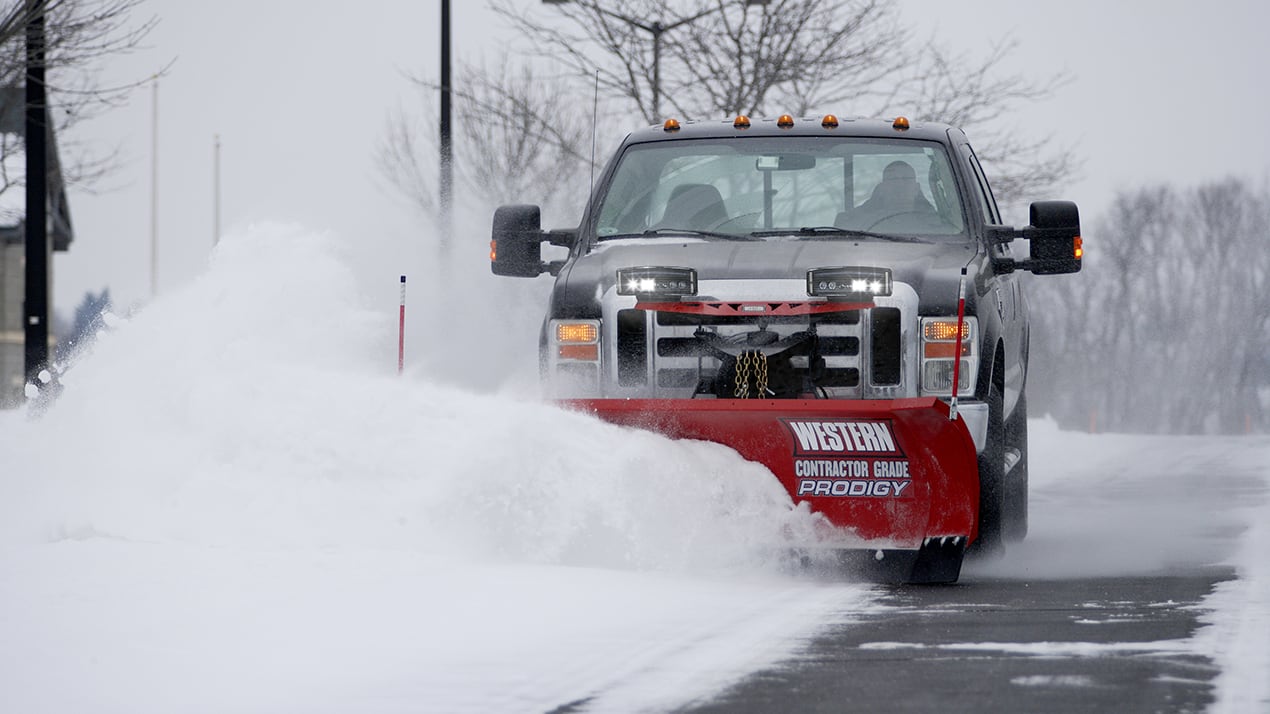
pixel 1016 489
pixel 991 481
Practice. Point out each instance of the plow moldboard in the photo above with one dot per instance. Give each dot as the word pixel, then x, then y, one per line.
pixel 885 470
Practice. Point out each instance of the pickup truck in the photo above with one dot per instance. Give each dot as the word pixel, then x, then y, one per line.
pixel 837 299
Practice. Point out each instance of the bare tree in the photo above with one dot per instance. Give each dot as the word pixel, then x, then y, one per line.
pixel 722 57
pixel 719 57
pixel 523 138
pixel 78 35
pixel 973 94
pixel 515 143
pixel 1167 330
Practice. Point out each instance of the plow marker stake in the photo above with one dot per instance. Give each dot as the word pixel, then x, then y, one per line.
pixel 401 329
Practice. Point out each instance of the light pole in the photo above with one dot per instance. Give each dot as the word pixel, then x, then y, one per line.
pixel 215 189
pixel 657 28
pixel 154 189
pixel 447 167
pixel 36 289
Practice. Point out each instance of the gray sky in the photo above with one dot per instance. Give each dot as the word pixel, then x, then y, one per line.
pixel 299 93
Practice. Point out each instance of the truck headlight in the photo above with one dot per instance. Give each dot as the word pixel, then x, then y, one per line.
pixel 572 358
pixel 852 282
pixel 940 347
pixel 657 282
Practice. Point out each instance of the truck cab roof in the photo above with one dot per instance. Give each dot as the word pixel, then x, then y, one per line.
pixel 822 125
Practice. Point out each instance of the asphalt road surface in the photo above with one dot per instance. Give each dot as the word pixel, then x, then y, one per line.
pixel 1091 614
pixel 1104 644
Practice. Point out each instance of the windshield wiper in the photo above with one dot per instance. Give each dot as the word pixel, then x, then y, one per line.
pixel 680 232
pixel 835 231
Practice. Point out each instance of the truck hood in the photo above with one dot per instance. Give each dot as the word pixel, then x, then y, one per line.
pixel 912 263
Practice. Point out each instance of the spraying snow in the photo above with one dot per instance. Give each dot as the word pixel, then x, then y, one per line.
pixel 236 487
pixel 242 411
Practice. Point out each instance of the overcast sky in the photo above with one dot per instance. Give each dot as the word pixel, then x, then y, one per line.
pixel 299 92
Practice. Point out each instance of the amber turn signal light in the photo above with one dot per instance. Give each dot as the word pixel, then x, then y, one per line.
pixel 577 332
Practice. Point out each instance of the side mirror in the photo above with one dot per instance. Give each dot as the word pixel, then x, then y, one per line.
pixel 515 248
pixel 1054 237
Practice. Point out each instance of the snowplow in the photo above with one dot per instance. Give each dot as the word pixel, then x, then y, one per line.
pixel 794 291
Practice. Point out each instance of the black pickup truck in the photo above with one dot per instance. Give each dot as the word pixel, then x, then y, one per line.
pixel 813 266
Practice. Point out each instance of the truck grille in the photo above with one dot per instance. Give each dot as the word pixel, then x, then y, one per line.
pixel 681 359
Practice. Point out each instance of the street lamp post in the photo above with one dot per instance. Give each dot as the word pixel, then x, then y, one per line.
pixel 447 166
pixel 656 29
pixel 36 290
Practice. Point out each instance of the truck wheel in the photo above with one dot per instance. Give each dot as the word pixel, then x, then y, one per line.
pixel 991 477
pixel 1015 528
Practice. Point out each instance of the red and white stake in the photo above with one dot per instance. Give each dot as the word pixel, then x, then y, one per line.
pixel 961 321
pixel 401 329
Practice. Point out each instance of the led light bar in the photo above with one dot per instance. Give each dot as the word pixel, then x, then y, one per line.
pixel 855 282
pixel 657 282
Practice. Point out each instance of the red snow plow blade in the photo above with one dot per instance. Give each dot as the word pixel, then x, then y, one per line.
pixel 896 477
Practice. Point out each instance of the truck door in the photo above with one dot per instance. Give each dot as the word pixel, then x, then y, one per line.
pixel 1005 290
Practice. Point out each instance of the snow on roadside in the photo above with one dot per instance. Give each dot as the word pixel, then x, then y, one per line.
pixel 230 508
pixel 1238 636
pixel 1112 504
pixel 1121 504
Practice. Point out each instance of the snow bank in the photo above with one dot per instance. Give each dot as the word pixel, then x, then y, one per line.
pixel 1238 637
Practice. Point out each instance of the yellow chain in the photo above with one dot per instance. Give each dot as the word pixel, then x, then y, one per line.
pixel 750 364
pixel 743 363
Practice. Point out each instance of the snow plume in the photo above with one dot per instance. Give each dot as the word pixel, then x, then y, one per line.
pixel 236 505
pixel 259 405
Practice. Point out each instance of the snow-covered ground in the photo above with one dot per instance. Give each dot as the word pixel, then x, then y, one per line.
pixel 236 505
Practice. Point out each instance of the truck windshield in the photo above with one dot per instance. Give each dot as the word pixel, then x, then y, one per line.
pixel 760 187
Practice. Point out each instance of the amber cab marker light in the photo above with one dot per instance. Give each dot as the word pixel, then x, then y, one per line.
pixel 1078 248
pixel 829 122
pixel 785 121
pixel 671 125
pixel 900 123
pixel 741 122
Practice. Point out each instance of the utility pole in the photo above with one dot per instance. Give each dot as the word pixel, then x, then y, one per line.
pixel 215 189
pixel 154 191
pixel 36 310
pixel 447 169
